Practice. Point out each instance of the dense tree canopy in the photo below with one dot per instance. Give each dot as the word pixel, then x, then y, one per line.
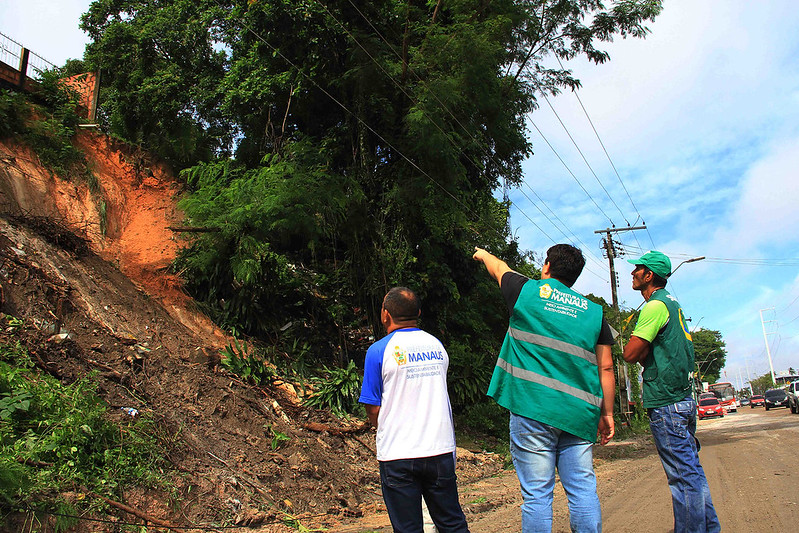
pixel 342 147
pixel 711 354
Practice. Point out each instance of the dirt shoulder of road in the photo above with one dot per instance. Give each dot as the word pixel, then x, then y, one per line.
pixel 749 458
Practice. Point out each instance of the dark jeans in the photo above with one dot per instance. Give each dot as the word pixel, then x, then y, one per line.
pixel 673 428
pixel 406 481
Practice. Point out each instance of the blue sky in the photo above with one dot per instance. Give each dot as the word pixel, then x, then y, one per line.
pixel 701 120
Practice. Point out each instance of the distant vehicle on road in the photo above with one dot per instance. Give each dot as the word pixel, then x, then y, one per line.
pixel 756 401
pixel 709 407
pixel 725 392
pixel 744 402
pixel 793 397
pixel 775 398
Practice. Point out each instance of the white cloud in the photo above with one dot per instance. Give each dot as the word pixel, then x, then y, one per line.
pixel 766 211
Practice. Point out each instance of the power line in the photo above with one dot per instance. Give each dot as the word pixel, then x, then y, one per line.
pixel 546 99
pixel 784 262
pixel 613 166
pixel 555 216
pixel 402 89
pixel 571 173
pixel 790 304
pixel 277 51
pixel 458 122
pixel 556 227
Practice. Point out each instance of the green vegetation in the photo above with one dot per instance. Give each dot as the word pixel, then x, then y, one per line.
pixel 334 150
pixel 58 439
pixel 246 363
pixel 709 349
pixel 338 390
pixel 48 127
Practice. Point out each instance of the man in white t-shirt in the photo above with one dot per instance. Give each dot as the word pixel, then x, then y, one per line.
pixel 405 394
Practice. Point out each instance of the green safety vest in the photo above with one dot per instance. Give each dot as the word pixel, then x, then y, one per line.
pixel 670 361
pixel 547 368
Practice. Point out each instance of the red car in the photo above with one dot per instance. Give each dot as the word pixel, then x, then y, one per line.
pixel 757 401
pixel 710 407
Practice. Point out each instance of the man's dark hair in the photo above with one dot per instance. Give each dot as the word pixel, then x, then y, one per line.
pixel 658 281
pixel 566 263
pixel 402 304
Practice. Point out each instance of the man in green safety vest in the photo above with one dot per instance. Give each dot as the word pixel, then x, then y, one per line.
pixel 662 343
pixel 555 376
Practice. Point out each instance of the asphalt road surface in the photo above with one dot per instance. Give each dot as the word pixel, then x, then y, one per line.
pixel 751 459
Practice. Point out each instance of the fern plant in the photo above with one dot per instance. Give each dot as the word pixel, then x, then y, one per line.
pixel 246 363
pixel 338 390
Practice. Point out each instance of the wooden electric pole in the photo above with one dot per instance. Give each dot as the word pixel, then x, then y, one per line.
pixel 610 250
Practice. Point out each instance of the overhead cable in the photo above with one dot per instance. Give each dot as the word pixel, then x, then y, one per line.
pixel 570 172
pixel 613 166
pixel 546 99
pixel 446 109
pixel 454 117
pixel 410 97
pixel 277 52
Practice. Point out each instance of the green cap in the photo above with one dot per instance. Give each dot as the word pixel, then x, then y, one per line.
pixel 655 261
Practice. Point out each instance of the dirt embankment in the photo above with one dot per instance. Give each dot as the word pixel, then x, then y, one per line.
pixel 128 319
pixel 125 220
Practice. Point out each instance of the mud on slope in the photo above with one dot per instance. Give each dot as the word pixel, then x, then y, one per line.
pixel 217 427
pixel 155 352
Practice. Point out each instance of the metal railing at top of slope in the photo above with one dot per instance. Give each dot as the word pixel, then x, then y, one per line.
pixel 11 54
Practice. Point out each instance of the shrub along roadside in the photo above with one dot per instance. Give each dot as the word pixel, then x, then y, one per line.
pixel 58 439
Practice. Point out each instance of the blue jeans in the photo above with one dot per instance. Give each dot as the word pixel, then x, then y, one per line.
pixel 673 428
pixel 406 481
pixel 538 450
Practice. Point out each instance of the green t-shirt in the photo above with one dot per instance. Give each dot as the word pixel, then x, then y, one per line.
pixel 651 320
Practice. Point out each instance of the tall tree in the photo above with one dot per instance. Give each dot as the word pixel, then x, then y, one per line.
pixel 161 66
pixel 369 140
pixel 710 352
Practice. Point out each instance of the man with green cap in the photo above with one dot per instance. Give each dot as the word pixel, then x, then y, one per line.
pixel 662 343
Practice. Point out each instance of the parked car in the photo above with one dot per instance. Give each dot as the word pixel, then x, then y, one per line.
pixel 775 398
pixel 756 401
pixel 709 407
pixel 793 397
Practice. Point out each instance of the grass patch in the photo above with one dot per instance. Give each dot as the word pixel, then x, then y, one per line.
pixel 58 440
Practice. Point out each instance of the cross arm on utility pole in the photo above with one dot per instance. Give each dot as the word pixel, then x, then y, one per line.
pixel 611 253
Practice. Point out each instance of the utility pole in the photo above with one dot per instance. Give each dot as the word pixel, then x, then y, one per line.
pixel 768 350
pixel 610 251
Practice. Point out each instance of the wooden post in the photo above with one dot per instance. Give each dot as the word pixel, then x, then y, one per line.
pixel 23 67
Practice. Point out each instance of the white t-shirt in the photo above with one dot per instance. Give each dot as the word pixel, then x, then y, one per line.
pixel 405 373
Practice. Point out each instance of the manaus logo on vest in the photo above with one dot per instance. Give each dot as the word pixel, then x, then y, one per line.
pixel 548 293
pixel 545 291
pixel 399 356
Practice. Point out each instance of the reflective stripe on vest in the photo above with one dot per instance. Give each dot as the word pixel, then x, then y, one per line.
pixel 547 342
pixel 528 375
